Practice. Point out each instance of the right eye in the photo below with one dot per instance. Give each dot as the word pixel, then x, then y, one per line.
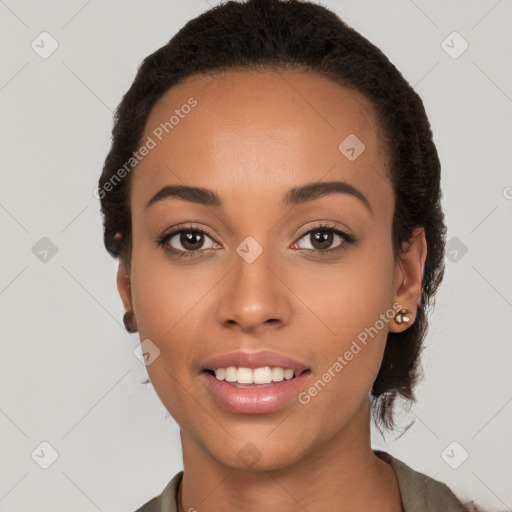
pixel 186 242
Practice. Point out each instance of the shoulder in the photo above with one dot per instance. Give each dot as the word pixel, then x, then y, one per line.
pixel 166 501
pixel 421 493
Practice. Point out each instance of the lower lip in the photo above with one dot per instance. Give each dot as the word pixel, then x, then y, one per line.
pixel 257 400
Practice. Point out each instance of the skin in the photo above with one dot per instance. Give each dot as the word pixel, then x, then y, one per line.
pixel 251 137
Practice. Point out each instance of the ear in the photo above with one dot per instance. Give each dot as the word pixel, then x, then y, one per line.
pixel 407 285
pixel 124 286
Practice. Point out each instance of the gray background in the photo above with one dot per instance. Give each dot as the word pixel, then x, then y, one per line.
pixel 68 372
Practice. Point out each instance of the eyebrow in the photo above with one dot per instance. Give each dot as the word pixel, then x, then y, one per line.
pixel 294 196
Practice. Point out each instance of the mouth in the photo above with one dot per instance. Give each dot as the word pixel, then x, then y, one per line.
pixel 234 389
pixel 266 376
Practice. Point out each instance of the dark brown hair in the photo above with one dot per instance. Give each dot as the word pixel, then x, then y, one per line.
pixel 279 34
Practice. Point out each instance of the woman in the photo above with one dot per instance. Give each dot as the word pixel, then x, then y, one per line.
pixel 273 195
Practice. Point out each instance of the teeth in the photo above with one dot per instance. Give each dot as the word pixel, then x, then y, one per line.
pixel 264 375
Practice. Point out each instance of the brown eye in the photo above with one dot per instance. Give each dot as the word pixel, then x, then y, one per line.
pixel 322 239
pixel 189 241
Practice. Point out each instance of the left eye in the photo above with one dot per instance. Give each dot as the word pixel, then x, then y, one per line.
pixel 321 239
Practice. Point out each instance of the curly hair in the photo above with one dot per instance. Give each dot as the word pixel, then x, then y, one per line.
pixel 291 34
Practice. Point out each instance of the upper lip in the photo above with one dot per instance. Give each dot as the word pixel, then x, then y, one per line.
pixel 252 360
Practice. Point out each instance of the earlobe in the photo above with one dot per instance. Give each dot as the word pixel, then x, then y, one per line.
pixel 125 291
pixel 409 279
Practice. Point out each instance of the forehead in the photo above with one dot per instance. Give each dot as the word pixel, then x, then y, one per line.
pixel 261 131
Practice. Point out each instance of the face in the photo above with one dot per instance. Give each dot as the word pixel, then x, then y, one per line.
pixel 265 267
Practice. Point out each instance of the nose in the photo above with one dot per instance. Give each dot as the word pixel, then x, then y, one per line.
pixel 253 297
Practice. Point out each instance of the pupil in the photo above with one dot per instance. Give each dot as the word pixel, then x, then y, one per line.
pixel 188 238
pixel 323 238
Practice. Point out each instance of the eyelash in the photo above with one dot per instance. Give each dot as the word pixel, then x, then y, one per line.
pixel 162 240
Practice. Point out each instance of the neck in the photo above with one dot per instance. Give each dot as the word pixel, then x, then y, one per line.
pixel 341 474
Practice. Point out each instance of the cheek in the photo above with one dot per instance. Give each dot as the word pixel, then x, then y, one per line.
pixel 166 293
pixel 167 300
pixel 346 298
pixel 350 308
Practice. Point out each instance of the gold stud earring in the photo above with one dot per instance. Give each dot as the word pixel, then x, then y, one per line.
pixel 401 318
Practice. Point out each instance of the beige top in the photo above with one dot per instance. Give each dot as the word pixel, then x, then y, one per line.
pixel 419 492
